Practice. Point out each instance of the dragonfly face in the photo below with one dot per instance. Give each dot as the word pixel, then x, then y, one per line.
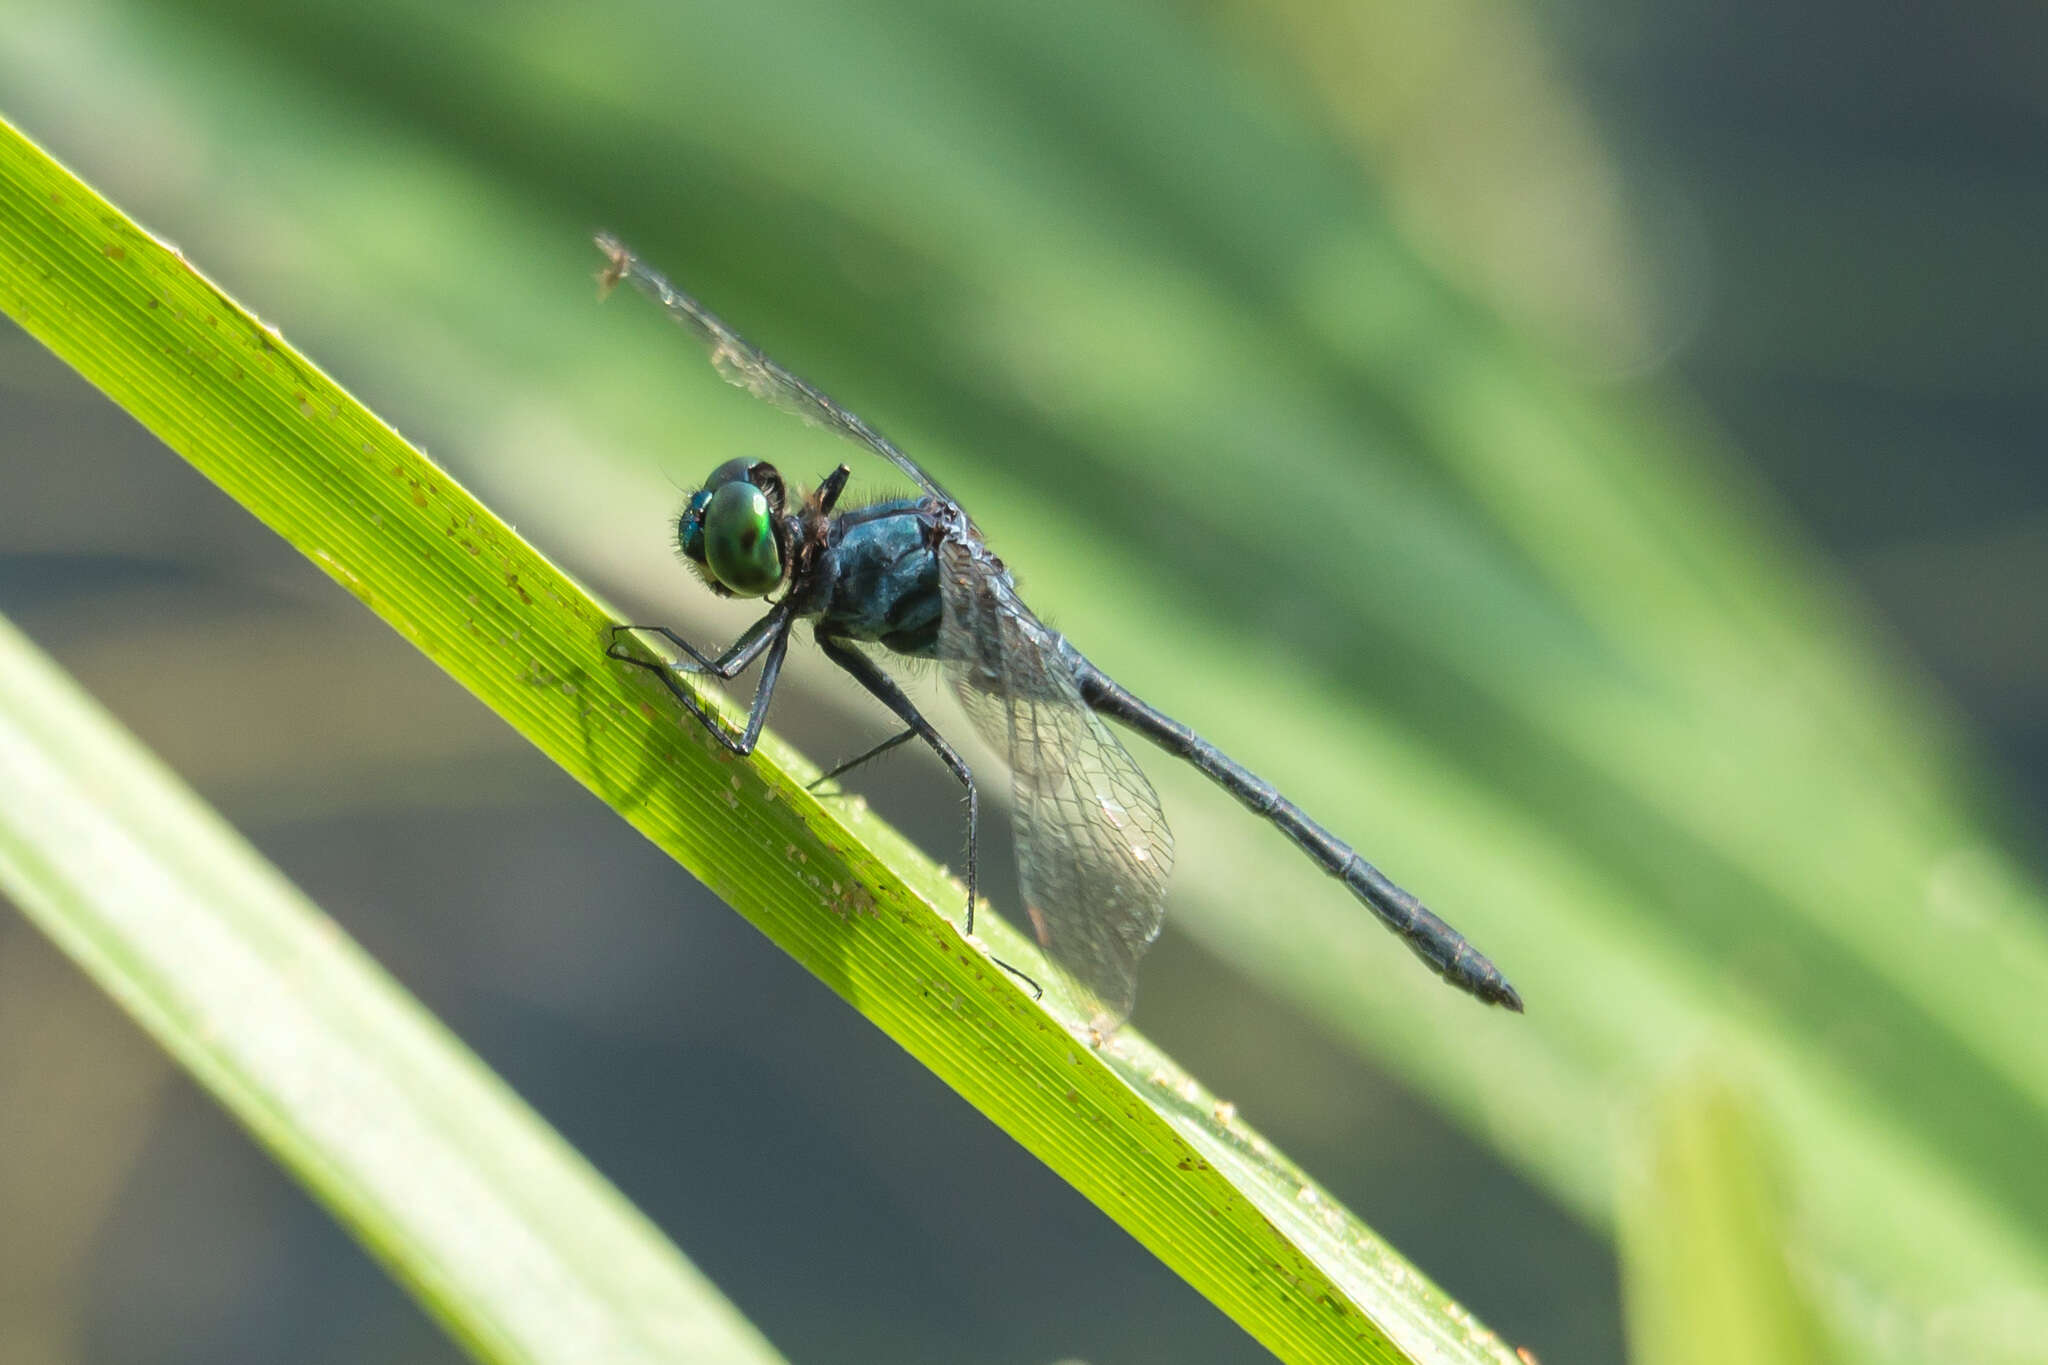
pixel 731 531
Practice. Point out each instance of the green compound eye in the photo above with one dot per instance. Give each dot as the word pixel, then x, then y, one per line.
pixel 735 470
pixel 739 540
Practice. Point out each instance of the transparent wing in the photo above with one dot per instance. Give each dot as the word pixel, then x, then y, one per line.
pixel 1093 849
pixel 745 364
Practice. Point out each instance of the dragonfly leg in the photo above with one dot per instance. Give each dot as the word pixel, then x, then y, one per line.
pixel 770 633
pixel 726 666
pixel 884 689
pixel 832 487
pixel 850 764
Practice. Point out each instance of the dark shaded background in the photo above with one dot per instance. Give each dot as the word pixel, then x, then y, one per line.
pixel 1840 214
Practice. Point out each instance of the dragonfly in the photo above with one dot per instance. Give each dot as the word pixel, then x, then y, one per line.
pixel 914 577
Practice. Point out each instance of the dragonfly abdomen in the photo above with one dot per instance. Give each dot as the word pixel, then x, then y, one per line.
pixel 1442 948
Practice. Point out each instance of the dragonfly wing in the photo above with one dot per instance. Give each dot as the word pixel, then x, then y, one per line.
pixel 748 366
pixel 1093 848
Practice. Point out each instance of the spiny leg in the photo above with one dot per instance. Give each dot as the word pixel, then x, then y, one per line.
pixel 726 666
pixel 885 690
pixel 771 633
pixel 850 764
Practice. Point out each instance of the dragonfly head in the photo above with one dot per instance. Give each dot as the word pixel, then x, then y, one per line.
pixel 731 529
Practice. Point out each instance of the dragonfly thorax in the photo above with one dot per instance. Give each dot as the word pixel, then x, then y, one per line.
pixel 877 578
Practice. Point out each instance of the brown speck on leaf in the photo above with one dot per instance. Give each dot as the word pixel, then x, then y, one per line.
pixel 114 251
pixel 149 303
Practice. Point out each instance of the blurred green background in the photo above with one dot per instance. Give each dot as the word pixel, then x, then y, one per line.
pixel 1587 455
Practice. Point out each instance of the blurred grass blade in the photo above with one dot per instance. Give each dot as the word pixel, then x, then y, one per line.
pixel 506 1235
pixel 1704 1240
pixel 1210 1198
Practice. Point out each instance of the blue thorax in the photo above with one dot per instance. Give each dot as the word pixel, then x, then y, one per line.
pixel 879 578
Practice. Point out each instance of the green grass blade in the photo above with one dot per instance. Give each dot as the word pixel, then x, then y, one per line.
pixel 1704 1240
pixel 503 1233
pixel 1177 1171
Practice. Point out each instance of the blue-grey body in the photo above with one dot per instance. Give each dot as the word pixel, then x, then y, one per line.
pixel 878 579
